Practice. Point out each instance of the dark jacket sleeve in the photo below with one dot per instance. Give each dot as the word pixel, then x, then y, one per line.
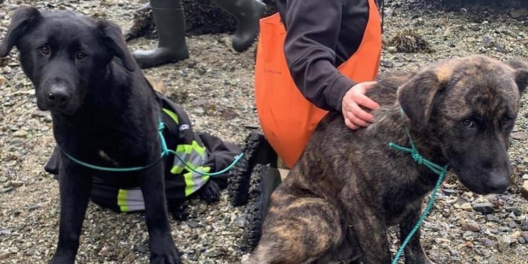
pixel 313 28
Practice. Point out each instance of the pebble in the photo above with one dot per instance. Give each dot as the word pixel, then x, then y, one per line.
pixel 521 240
pixel 486 242
pixel 492 218
pixel 449 192
pixel 524 225
pixel 484 208
pixel 3 179
pixel 4 256
pixel 471 226
pixel 17 184
pixel 524 190
pixel 20 134
pixel 525 177
pixel 240 221
pixel 466 207
pixel 504 243
pixel 3 81
pixel 512 224
pixel 6 190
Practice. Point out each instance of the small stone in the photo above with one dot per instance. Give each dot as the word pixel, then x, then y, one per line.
pixel 392 49
pixel 20 134
pixel 516 211
pixel 486 242
pixel 5 232
pixel 521 240
pixel 6 190
pixel 504 243
pixel 517 13
pixel 484 208
pixel 193 224
pixel 494 231
pixel 3 179
pixel 5 255
pixel 524 190
pixel 449 192
pixel 519 135
pixel 17 184
pixel 515 235
pixel 240 221
pixel 504 229
pixel 525 177
pixel 471 226
pixel 512 224
pixel 492 218
pixel 466 207
pixel 31 252
pixel 524 225
pixel 34 207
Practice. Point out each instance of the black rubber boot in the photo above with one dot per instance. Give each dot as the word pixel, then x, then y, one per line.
pixel 264 181
pixel 256 150
pixel 248 14
pixel 170 23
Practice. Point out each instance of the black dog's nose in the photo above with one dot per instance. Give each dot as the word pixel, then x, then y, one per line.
pixel 58 95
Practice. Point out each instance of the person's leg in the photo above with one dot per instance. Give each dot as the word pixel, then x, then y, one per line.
pixel 248 14
pixel 170 23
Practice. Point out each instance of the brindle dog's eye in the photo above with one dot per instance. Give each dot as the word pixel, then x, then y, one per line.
pixel 468 123
pixel 505 121
pixel 80 56
pixel 44 50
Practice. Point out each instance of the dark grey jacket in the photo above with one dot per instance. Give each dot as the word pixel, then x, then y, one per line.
pixel 321 35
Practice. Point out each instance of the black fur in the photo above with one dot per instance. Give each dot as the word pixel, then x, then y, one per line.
pixel 85 75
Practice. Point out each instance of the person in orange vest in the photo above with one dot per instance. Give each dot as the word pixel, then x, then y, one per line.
pixel 313 56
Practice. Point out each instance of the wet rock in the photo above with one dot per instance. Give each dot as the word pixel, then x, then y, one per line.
pixel 484 208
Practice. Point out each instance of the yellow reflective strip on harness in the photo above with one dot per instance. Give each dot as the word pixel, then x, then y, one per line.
pixel 121 200
pixel 189 180
pixel 187 149
pixel 198 148
pixel 173 115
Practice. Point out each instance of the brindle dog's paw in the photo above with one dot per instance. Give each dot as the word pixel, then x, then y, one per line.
pixel 170 256
pixel 210 192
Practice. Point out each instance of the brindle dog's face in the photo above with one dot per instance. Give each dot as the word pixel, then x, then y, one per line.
pixel 469 106
pixel 62 53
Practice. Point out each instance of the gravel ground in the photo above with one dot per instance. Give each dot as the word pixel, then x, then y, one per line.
pixel 215 87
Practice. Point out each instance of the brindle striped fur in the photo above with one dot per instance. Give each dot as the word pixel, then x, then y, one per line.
pixel 349 186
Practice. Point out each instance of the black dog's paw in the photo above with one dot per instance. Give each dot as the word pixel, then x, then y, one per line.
pixel 178 210
pixel 210 192
pixel 62 260
pixel 169 256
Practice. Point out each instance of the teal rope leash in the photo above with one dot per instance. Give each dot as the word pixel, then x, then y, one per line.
pixel 164 152
pixel 441 171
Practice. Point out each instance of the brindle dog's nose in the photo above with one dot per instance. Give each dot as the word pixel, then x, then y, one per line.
pixel 58 96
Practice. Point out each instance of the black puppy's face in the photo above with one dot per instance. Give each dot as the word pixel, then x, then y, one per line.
pixel 470 106
pixel 62 54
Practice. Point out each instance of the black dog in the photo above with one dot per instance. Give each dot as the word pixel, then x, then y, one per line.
pixel 100 102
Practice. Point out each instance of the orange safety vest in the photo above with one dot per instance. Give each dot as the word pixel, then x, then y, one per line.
pixel 287 118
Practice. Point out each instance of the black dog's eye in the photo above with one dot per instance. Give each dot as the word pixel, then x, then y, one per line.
pixel 468 123
pixel 45 50
pixel 80 56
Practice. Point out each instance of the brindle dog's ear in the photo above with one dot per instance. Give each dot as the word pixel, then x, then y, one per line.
pixel 521 73
pixel 23 19
pixel 416 97
pixel 115 42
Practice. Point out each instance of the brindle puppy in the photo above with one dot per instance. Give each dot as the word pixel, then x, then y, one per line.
pixel 349 186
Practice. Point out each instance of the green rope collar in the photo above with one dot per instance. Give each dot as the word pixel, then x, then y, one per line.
pixel 441 171
pixel 164 152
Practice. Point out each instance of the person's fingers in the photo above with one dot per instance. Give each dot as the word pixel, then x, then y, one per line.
pixel 350 124
pixel 358 122
pixel 363 100
pixel 360 113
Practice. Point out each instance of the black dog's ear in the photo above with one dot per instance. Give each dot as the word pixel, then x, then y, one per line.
pixel 23 18
pixel 115 42
pixel 416 97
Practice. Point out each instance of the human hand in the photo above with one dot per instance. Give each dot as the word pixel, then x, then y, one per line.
pixel 355 117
